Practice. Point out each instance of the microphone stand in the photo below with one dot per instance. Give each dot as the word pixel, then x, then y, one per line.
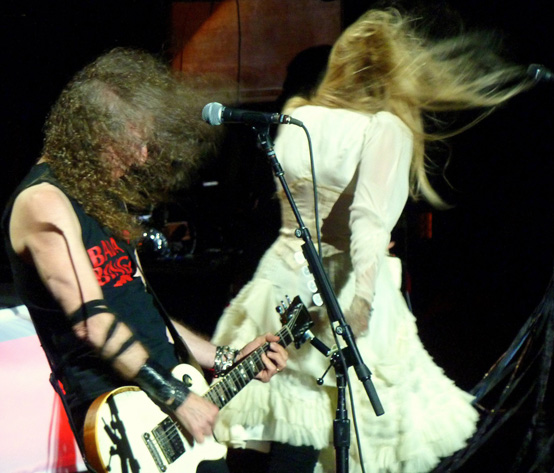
pixel 339 360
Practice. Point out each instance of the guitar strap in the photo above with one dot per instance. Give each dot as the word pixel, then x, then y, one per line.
pixel 183 352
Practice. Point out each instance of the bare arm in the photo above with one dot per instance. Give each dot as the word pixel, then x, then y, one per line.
pixel 202 349
pixel 45 232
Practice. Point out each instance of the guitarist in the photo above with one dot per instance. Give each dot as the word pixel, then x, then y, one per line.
pixel 120 134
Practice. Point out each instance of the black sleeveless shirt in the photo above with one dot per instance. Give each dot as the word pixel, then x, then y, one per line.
pixel 84 375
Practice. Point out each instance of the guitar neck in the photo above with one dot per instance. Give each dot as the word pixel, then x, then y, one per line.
pixel 244 372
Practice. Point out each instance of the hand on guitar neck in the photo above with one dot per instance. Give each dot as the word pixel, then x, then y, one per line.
pixel 198 415
pixel 274 359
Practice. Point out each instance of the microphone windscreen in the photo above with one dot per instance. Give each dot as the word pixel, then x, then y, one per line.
pixel 211 113
pixel 540 73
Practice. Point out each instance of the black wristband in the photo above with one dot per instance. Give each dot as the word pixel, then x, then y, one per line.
pixel 164 389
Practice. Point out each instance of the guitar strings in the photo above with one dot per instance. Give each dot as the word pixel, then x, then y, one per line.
pixel 223 392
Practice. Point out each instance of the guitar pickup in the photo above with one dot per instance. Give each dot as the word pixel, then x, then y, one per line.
pixel 169 440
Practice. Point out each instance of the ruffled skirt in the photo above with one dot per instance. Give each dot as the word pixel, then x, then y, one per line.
pixel 426 415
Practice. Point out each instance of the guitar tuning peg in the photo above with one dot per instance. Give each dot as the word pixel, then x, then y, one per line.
pixel 288 300
pixel 282 314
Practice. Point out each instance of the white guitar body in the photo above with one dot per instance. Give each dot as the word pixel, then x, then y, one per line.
pixel 125 432
pixel 155 442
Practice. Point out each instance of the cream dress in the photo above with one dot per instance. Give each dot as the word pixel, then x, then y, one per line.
pixel 362 166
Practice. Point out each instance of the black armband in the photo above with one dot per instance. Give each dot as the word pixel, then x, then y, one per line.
pixel 124 347
pixel 88 309
pixel 164 389
pixel 111 330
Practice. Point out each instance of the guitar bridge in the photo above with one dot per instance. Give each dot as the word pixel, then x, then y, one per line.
pixel 149 441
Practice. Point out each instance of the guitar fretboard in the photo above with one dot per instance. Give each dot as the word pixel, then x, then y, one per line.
pixel 246 370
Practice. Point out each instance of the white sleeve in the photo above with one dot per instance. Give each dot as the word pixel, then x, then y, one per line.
pixel 380 195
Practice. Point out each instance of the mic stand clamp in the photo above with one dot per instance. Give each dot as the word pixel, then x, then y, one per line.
pixel 338 322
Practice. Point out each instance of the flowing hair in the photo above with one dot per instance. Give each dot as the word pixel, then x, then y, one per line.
pixel 382 62
pixel 124 102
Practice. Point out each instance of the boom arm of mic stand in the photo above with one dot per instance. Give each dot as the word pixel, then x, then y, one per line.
pixel 321 279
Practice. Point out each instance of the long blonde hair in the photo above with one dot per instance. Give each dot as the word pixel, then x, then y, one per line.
pixel 382 62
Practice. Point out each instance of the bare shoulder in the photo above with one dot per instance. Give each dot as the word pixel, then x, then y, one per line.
pixel 40 211
pixel 42 203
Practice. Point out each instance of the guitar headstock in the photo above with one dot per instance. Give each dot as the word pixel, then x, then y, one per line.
pixel 297 319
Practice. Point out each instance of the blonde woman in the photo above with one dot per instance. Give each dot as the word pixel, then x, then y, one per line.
pixel 368 121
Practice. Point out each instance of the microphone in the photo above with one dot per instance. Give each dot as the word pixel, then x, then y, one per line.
pixel 215 114
pixel 539 73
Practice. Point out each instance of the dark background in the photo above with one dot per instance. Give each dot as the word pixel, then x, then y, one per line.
pixel 474 282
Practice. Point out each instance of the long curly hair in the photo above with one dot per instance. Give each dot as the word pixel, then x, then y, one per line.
pixel 124 102
pixel 383 61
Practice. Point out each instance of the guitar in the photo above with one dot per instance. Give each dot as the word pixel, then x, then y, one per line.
pixel 127 432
